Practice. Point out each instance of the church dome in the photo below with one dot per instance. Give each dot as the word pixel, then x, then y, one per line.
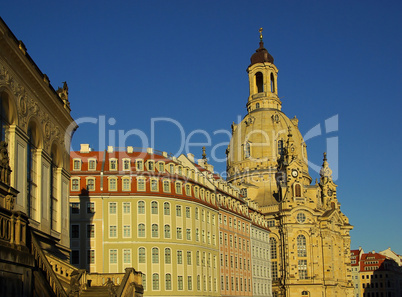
pixel 261 55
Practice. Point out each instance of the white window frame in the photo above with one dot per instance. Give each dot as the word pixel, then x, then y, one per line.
pixel 110 180
pixel 78 162
pixel 115 162
pixel 89 162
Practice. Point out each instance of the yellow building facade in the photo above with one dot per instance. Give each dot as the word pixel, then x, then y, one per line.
pixel 186 229
pixel 267 160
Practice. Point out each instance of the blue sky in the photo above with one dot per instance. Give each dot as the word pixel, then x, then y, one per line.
pixel 129 62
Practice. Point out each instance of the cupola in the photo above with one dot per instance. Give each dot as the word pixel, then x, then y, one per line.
pixel 262 75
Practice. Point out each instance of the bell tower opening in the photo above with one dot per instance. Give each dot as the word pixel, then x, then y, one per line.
pixel 272 83
pixel 259 82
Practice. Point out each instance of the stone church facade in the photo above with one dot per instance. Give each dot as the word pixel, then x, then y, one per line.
pixel 267 160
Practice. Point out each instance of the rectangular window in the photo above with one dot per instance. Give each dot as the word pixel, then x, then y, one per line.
pixel 126 184
pixel 154 185
pixel 180 283
pixel 126 207
pixel 112 184
pixel 188 234
pixel 178 188
pixel 151 166
pixel 178 210
pixel 188 258
pixel 302 266
pixel 161 167
pixel 90 231
pixel 187 212
pixel 113 165
pixel 75 208
pixel 179 233
pixel 112 207
pixel 141 207
pixel 113 256
pixel 75 231
pixel 77 164
pixel 166 186
pixel 91 257
pixel 140 165
pixel 126 165
pixel 179 257
pixel 91 184
pixel 127 231
pixel 141 184
pixel 91 164
pixel 126 256
pixel 90 207
pixel 75 184
pixel 112 231
pixel 189 282
pixel 75 257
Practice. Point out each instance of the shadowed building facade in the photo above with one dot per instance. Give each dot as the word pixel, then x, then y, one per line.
pixel 267 160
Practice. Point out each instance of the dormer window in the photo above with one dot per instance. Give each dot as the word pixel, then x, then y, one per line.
pixel 140 165
pixel 77 164
pixel 113 164
pixel 91 164
pixel 151 165
pixel 161 167
pixel 126 164
pixel 259 82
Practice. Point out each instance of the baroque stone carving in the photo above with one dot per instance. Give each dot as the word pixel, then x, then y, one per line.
pixel 5 169
pixel 27 107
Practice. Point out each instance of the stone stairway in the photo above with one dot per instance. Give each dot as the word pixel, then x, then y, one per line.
pixel 96 292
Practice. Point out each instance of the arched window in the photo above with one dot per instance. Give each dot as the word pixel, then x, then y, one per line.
pixel 168 281
pixel 155 281
pixel 167 231
pixel 141 207
pixel 141 230
pixel 141 255
pixel 168 256
pixel 155 255
pixel 155 230
pixel 304 293
pixel 247 150
pixel 166 208
pixel 297 190
pixel 272 83
pixel 301 246
pixel 259 82
pixel 154 207
pixel 257 105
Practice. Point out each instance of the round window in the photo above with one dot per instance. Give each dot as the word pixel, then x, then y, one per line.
pixel 301 217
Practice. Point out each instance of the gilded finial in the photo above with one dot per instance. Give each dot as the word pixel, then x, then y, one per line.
pixel 260 30
pixel 204 155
